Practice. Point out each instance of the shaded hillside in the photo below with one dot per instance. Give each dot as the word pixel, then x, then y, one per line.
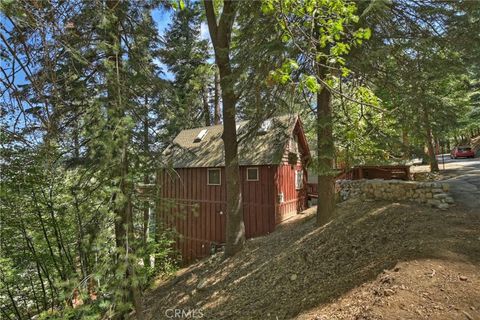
pixel 324 273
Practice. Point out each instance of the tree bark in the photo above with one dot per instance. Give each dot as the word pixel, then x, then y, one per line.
pixel 325 144
pixel 432 158
pixel 217 93
pixel 221 35
pixel 325 149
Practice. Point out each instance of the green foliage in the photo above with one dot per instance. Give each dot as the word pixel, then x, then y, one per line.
pixel 424 81
pixel 85 113
pixel 185 55
pixel 322 33
pixel 79 134
pixel 310 83
pixel 282 75
pixel 362 134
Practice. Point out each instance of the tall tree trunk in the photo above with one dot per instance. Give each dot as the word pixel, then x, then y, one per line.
pixel 221 35
pixel 325 145
pixel 235 231
pixel 325 149
pixel 206 106
pixel 432 158
pixel 217 93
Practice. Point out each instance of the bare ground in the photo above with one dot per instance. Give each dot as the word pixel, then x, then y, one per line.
pixel 375 260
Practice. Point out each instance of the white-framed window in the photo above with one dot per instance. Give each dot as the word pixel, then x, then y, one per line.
pixel 252 174
pixel 214 177
pixel 298 179
pixel 281 198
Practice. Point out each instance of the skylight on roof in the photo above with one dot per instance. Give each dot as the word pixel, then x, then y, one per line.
pixel 265 126
pixel 200 135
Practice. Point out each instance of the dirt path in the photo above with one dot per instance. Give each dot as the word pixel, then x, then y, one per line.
pixel 375 260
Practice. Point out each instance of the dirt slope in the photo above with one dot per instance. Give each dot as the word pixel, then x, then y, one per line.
pixel 373 261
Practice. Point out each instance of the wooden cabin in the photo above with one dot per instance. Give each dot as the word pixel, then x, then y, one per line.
pixel 273 158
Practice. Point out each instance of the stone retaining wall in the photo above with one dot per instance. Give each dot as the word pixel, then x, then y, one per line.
pixel 431 193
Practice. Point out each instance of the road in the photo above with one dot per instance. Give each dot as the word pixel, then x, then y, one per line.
pixel 463 175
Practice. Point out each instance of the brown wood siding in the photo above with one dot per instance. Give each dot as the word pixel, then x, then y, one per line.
pixel 197 210
pixel 294 200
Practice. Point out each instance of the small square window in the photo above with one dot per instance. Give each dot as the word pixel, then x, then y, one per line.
pixel 252 174
pixel 214 177
pixel 298 179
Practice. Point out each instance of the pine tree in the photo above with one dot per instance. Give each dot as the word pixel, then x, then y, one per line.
pixel 74 135
pixel 185 55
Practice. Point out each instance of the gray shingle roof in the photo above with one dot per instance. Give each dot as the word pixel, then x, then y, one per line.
pixel 255 148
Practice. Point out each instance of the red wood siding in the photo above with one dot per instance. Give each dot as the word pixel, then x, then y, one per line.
pixel 197 210
pixel 294 200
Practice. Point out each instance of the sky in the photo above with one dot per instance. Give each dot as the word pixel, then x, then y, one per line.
pixel 162 18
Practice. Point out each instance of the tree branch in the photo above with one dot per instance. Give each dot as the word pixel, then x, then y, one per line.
pixel 211 20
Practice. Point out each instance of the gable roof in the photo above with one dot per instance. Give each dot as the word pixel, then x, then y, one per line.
pixel 255 148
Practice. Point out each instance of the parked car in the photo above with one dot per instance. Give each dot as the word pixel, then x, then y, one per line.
pixel 462 152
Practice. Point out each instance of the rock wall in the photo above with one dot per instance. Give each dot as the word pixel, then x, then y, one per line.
pixel 431 193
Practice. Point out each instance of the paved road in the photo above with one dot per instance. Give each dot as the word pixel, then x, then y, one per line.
pixel 463 175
